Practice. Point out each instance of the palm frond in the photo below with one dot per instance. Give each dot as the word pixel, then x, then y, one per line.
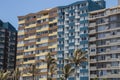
pixel 67 70
pixel 4 75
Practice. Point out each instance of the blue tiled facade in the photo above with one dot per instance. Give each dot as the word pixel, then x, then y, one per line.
pixel 73 31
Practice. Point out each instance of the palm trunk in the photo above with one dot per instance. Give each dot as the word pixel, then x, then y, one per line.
pixel 47 75
pixel 65 78
pixel 51 76
pixel 33 76
pixel 75 72
pixel 48 72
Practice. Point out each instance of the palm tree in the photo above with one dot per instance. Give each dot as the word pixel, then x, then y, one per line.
pixel 32 70
pixel 4 75
pixel 53 70
pixel 49 60
pixel 77 58
pixel 67 71
pixel 16 74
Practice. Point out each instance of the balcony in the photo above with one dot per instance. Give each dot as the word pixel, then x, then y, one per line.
pixel 92 53
pixel 77 16
pixel 31 26
pixel 66 18
pixel 93 75
pixel 77 36
pixel 77 23
pixel 108 36
pixel 92 25
pixel 93 68
pixel 108 66
pixel 93 45
pixel 66 52
pixel 92 31
pixel 76 10
pixel 109 75
pixel 21 22
pixel 92 39
pixel 92 60
pixel 108 58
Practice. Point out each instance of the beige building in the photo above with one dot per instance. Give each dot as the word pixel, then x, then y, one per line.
pixel 37 35
pixel 104 44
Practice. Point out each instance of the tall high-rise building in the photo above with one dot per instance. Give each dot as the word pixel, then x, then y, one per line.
pixel 37 35
pixel 8 46
pixel 73 32
pixel 104 44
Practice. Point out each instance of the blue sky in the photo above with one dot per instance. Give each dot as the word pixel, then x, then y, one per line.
pixel 10 9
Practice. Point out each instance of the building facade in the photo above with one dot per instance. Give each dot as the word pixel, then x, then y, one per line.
pixel 104 43
pixel 60 31
pixel 37 35
pixel 73 32
pixel 8 46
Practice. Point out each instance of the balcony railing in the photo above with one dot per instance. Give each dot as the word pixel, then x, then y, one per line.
pixel 92 25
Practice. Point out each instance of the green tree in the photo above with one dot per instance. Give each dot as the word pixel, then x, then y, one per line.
pixel 77 58
pixel 4 75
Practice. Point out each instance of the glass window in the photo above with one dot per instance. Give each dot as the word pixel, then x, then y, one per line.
pixel 102 35
pixel 113 18
pixel 101 28
pixel 92 50
pixel 114 47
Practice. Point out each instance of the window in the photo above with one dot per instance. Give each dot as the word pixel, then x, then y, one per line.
pixel 101 28
pixel 102 42
pixel 114 47
pixel 102 35
pixel 112 25
pixel 115 71
pixel 92 50
pixel 113 33
pixel 113 18
pixel 113 40
pixel 100 21
pixel 101 50
pixel 114 64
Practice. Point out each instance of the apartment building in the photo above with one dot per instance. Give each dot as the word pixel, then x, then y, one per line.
pixel 37 35
pixel 73 32
pixel 8 45
pixel 104 43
